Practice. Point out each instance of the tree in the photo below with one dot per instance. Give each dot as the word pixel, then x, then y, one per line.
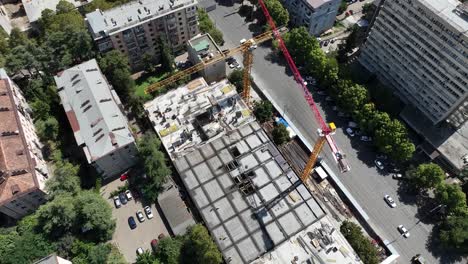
pixel 206 26
pixel 115 257
pixel 149 63
pixel 17 38
pixel 363 247
pixel 115 66
pixel 20 58
pixel 57 217
pixel 300 44
pixel 47 129
pixel 279 14
pixel 146 258
pixel 426 176
pixel 353 98
pixel 391 138
pixel 64 181
pixel 453 233
pixel 452 196
pixel 64 7
pixel 263 111
pixel 217 36
pixel 235 77
pixel 343 6
pixel 280 134
pixel 155 166
pixel 97 4
pixel 40 109
pixel 169 250
pixel 199 247
pixel 167 60
pixel 94 216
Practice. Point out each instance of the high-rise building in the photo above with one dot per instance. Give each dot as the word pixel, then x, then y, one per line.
pixel 135 28
pixel 316 15
pixel 420 49
pixel 95 114
pixel 23 171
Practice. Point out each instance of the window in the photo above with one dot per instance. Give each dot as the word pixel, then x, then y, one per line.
pixel 180 19
pixel 180 23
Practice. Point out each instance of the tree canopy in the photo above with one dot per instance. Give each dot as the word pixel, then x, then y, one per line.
pixel 426 176
pixel 115 66
pixel 206 26
pixel 263 111
pixel 280 134
pixel 453 234
pixel 452 196
pixel 361 244
pixel 64 181
pixel 279 14
pixel 200 247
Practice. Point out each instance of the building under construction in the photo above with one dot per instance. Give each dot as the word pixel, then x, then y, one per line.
pixel 254 205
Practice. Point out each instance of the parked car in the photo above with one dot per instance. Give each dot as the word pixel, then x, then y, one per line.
pixel 242 41
pixel 321 93
pixel 325 43
pixel 128 194
pixel 350 132
pixel 148 212
pixel 366 138
pixel 139 251
pixel 124 176
pixel 397 176
pixel 379 164
pixel 154 245
pixel 328 99
pixel 403 231
pixel 117 202
pixel 390 201
pixel 382 156
pixel 352 124
pixel 140 216
pixel 418 259
pixel 310 79
pixel 123 199
pixel 131 222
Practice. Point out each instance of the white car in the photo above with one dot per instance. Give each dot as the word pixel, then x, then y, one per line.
pixel 379 164
pixel 397 176
pixel 403 231
pixel 140 216
pixel 139 251
pixel 242 41
pixel 148 212
pixel 390 201
pixel 350 132
pixel 128 194
pixel 117 202
pixel 366 138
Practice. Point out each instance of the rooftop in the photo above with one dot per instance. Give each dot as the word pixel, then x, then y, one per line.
pixel 451 11
pixel 317 3
pixel 205 47
pixel 17 169
pixel 188 116
pixel 93 110
pixel 53 259
pixel 451 143
pixel 102 23
pixel 175 210
pixel 248 196
pixel 34 8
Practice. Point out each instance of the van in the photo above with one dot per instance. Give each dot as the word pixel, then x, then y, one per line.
pixel 352 124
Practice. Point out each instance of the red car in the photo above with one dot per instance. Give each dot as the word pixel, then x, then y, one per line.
pixel 124 176
pixel 154 245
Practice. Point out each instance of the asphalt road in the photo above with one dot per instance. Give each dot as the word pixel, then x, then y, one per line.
pixel 364 181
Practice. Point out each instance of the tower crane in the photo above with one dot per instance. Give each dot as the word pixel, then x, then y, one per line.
pixel 325 131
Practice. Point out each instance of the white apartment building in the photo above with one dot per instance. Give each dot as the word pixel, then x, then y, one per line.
pixel 23 171
pixel 95 114
pixel 420 48
pixel 134 29
pixel 316 15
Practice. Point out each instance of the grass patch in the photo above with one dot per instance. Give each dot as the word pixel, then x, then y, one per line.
pixel 146 80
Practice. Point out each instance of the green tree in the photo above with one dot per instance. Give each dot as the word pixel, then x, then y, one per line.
pixel 452 196
pixel 169 250
pixel 94 216
pixel 362 245
pixel 280 134
pixel 391 138
pixel 300 44
pixel 235 77
pixel 199 247
pixel 453 233
pixel 217 36
pixel 62 19
pixel 263 111
pixel 426 176
pixel 47 129
pixel 149 63
pixel 115 66
pixel 57 217
pixel 146 258
pixel 97 4
pixel 64 7
pixel 155 166
pixel 21 58
pixel 64 181
pixel 17 38
pixel 167 60
pixel 40 109
pixel 115 257
pixel 279 14
pixel 343 6
pixel 206 26
pixel 353 98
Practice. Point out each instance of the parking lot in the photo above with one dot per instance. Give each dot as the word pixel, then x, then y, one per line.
pixel 128 240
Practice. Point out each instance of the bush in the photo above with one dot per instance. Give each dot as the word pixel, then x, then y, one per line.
pixel 280 134
pixel 263 111
pixel 361 244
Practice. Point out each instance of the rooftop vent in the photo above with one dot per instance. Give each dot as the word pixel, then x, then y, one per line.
pixel 161 8
pixel 118 128
pixel 113 22
pixel 98 138
pixel 129 19
pixel 84 103
pixel 74 77
pixel 15 189
pixel 18 172
pixel 97 132
pixel 105 100
pixel 86 109
pixel 91 70
pixel 2 179
pixel 60 89
pixel 4 109
pixel 10 133
pixel 20 152
pixel 3 93
pixel 76 82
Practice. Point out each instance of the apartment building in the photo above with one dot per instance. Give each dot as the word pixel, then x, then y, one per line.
pixel 95 114
pixel 316 15
pixel 420 48
pixel 202 49
pixel 135 28
pixel 23 170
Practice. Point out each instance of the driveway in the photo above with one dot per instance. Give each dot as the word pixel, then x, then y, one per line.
pixel 364 181
pixel 128 240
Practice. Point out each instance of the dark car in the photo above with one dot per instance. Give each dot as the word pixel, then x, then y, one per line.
pixel 154 245
pixel 131 222
pixel 123 198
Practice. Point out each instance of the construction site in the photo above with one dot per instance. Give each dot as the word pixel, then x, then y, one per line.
pixel 254 204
